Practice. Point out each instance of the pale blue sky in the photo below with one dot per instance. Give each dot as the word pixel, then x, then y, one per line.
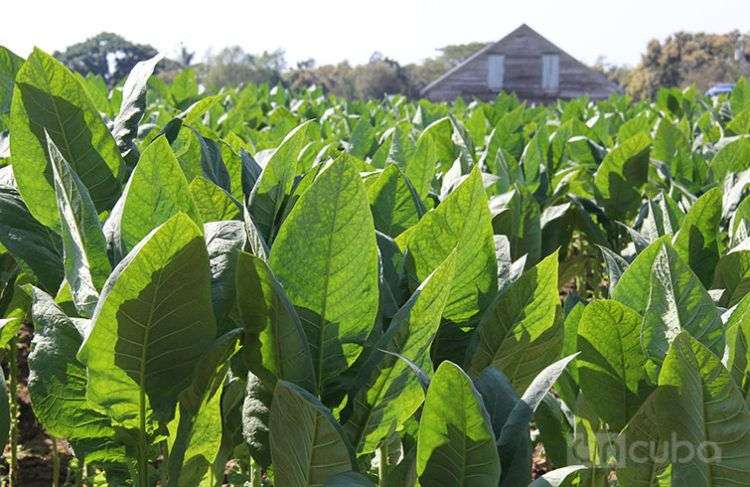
pixel 333 30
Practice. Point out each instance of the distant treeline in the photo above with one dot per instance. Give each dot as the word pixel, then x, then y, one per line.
pixel 682 59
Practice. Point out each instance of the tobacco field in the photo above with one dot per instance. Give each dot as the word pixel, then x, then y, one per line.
pixel 267 287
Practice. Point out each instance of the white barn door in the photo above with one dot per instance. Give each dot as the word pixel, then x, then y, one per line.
pixel 495 71
pixel 551 73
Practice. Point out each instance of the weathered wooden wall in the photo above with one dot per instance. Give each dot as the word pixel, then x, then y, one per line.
pixel 523 50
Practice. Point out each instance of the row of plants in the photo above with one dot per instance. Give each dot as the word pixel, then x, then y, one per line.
pixel 267 287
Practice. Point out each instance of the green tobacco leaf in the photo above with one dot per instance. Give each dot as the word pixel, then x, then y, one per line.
pixel 615 264
pixel 733 273
pixel 461 221
pixel 325 256
pixel 737 354
pixel 631 289
pixel 153 321
pixel 455 444
pixel 513 442
pixel 395 204
pixel 256 410
pixel 212 164
pixel 156 191
pixel 10 63
pixel 213 203
pixel 27 239
pixel 622 172
pixel 699 404
pixel 733 157
pixel 516 215
pixel 555 430
pixel 307 445
pixel 132 108
pixel 275 182
pixel 697 242
pixel 195 435
pixel 498 396
pixel 647 462
pixel 392 393
pixel 678 302
pixel 275 343
pixel 47 96
pixel 522 331
pixel 611 365
pixel 84 247
pixel 224 241
pixel 434 150
pixel 57 380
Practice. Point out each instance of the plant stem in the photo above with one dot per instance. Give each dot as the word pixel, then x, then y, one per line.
pixel 383 465
pixel 164 466
pixel 13 398
pixel 55 464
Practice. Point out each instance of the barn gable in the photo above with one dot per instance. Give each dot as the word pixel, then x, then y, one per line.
pixel 525 63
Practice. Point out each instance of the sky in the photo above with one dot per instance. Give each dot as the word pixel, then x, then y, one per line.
pixel 334 30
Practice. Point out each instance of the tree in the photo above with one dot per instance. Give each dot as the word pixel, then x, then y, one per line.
pixel 233 66
pixel 686 58
pixel 106 54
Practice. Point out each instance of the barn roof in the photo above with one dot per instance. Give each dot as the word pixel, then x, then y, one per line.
pixel 489 46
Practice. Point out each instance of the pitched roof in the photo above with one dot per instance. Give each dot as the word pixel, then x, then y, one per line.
pixel 489 46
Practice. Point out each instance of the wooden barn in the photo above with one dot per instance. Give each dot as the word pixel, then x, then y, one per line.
pixel 524 63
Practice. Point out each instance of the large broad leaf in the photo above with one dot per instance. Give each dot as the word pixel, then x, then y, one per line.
pixel 622 172
pixel 224 241
pixel 153 321
pixel 57 380
pixel 275 343
pixel 84 247
pixel 434 149
pixel 515 214
pixel 30 241
pixel 307 445
pixel 678 302
pixel 47 96
pixel 10 63
pixel 462 220
pixel 455 445
pixel 611 366
pixel 132 108
pixel 631 288
pixel 737 354
pixel 733 157
pixel 276 180
pixel 513 442
pixel 697 242
pixel 195 435
pixel 522 331
pixel 643 460
pixel 733 273
pixel 699 404
pixel 213 202
pixel 395 204
pixel 391 392
pixel 255 415
pixel 325 256
pixel 156 191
